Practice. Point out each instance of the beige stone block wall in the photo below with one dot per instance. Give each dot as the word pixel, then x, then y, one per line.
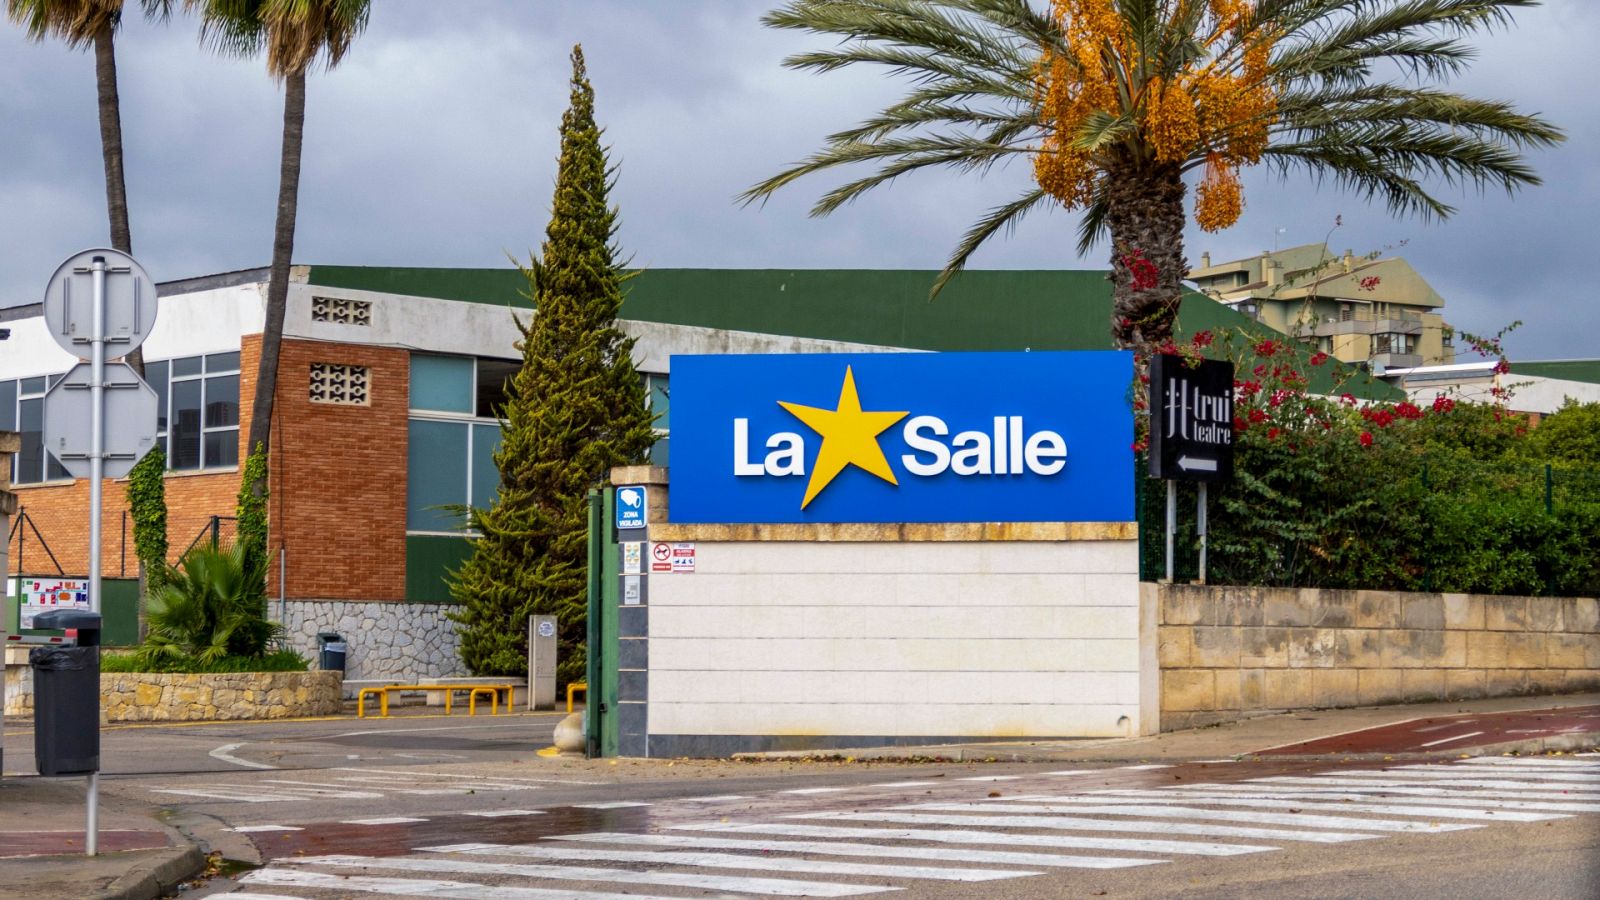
pixel 1226 653
pixel 151 697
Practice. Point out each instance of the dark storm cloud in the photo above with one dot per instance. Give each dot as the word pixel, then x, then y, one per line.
pixel 434 144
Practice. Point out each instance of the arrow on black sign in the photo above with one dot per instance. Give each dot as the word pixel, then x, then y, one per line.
pixel 1198 465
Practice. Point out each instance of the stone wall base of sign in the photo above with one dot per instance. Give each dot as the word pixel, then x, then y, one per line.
pixel 823 637
pixel 388 641
pixel 156 697
pixel 1228 653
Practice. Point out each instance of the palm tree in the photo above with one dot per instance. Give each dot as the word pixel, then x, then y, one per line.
pixel 93 23
pixel 1115 102
pixel 295 34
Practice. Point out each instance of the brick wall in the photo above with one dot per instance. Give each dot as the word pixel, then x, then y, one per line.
pixel 339 477
pixel 60 511
pixel 1228 652
pixel 338 487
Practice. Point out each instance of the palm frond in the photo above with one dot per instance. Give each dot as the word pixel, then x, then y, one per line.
pixel 1001 218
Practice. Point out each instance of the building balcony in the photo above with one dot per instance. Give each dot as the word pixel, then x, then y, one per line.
pixel 1386 361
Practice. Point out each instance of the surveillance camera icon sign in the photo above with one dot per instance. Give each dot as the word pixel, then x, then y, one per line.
pixel 632 504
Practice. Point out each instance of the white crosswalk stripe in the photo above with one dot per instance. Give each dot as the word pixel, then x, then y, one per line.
pixel 778 887
pixel 897 846
pixel 1450 773
pixel 1087 806
pixel 1409 780
pixel 1431 796
pixel 971 836
pixel 728 861
pixel 839 848
pixel 1534 762
pixel 1071 823
pixel 1388 809
pixel 423 887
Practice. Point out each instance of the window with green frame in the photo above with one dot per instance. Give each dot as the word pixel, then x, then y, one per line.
pixel 453 432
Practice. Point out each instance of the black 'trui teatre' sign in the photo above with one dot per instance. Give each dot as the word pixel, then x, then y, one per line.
pixel 1191 419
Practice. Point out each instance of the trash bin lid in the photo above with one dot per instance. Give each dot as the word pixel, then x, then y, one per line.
pixel 57 619
pixel 336 646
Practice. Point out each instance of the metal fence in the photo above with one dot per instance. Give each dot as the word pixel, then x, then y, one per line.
pixel 50 541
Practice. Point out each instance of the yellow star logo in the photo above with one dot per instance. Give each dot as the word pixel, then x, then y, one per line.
pixel 849 437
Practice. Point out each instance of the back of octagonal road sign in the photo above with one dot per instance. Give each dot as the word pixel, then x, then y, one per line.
pixel 130 303
pixel 130 419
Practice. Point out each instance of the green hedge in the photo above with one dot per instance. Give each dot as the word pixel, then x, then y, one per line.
pixel 281 661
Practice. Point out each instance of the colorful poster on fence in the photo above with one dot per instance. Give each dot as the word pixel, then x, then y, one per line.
pixel 41 595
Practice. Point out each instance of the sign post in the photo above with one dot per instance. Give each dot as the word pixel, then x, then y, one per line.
pixel 98 298
pixel 1191 434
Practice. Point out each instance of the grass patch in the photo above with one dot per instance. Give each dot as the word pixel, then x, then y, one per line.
pixel 281 661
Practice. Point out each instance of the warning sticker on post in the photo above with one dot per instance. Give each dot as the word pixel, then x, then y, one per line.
pixel 666 557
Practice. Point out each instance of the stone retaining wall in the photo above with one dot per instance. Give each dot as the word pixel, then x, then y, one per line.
pixel 152 697
pixel 392 641
pixel 1231 652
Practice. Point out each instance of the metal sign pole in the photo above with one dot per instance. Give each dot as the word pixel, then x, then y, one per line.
pixel 1200 526
pixel 97 446
pixel 1172 522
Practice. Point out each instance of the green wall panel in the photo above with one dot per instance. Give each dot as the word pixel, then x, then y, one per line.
pixel 428 560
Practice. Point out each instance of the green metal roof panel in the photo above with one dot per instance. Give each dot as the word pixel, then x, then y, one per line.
pixel 1586 370
pixel 980 310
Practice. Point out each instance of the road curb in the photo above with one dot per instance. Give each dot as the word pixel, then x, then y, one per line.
pixel 154 877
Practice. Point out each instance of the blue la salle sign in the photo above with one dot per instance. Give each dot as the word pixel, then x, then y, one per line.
pixel 902 437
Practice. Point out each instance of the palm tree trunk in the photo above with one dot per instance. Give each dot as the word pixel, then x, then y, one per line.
pixel 1147 265
pixel 105 76
pixel 294 119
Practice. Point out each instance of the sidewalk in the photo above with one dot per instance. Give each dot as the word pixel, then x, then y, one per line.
pixel 42 819
pixel 1252 736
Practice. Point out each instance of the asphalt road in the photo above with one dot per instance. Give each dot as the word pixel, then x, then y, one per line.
pixel 455 807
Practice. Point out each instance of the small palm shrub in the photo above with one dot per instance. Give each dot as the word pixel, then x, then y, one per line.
pixel 207 609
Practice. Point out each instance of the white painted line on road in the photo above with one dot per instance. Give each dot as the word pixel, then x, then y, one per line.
pixel 1532 762
pixel 1378 779
pixel 906 784
pixel 424 887
pixel 1437 771
pixel 773 886
pixel 707 860
pixel 1448 740
pixel 1420 789
pixel 236 796
pixel 992 778
pixel 252 829
pixel 1075 772
pixel 318 789
pixel 1444 726
pixel 1142 768
pixel 831 848
pixel 1388 809
pixel 503 813
pixel 498 779
pixel 382 820
pixel 1071 823
pixel 720 798
pixel 967 836
pixel 1071 806
pixel 225 753
pixel 1420 796
pixel 615 804
pixel 816 790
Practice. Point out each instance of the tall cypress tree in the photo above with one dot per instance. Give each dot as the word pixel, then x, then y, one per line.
pixel 575 409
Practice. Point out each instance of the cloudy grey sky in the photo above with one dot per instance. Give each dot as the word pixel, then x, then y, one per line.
pixel 434 145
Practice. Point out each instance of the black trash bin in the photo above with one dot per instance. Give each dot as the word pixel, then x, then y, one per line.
pixel 66 696
pixel 331 650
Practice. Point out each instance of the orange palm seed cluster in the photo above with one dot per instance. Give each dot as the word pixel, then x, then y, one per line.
pixel 1219 107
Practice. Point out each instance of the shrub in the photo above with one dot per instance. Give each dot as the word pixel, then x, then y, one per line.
pixel 280 661
pixel 208 609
